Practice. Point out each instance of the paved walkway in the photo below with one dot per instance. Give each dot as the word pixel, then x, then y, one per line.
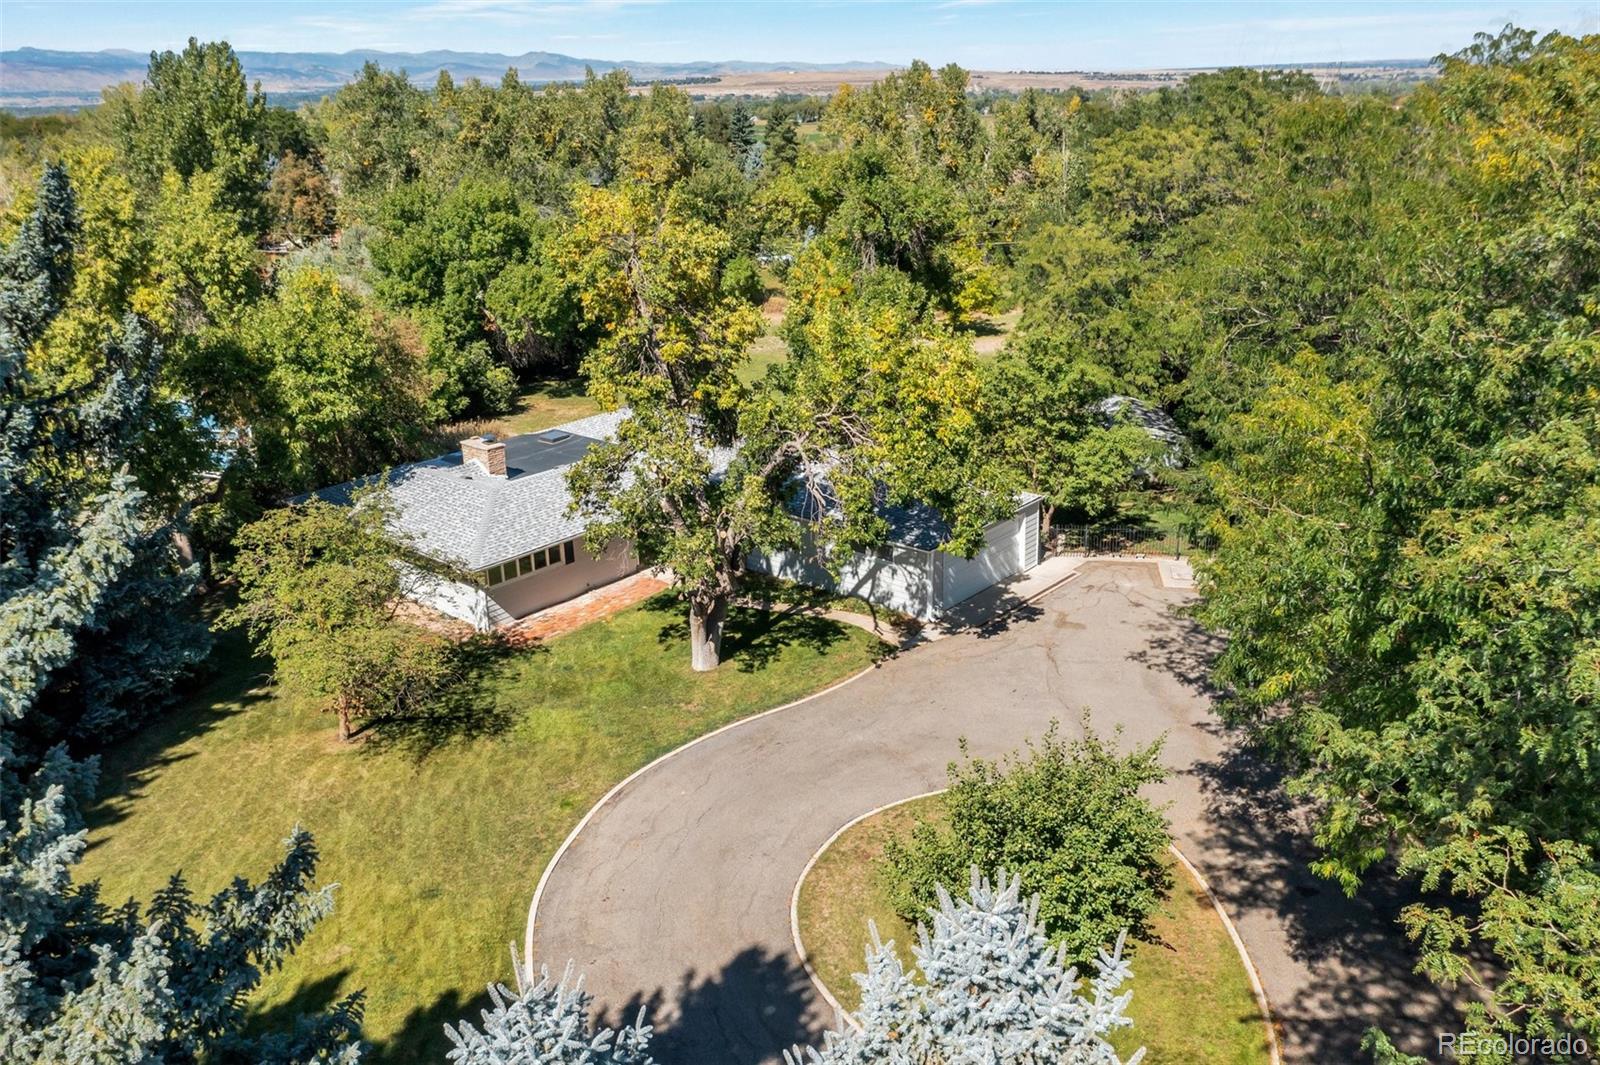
pixel 676 894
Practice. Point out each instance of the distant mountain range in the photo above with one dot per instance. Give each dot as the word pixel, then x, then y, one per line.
pixel 32 77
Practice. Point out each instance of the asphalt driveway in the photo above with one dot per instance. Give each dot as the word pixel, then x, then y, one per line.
pixel 676 895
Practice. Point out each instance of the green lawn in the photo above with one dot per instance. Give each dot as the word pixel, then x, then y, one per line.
pixel 1192 1003
pixel 545 403
pixel 767 350
pixel 436 835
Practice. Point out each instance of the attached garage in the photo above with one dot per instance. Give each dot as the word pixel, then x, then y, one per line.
pixel 910 574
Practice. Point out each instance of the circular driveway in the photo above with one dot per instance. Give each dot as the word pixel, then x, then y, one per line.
pixel 675 896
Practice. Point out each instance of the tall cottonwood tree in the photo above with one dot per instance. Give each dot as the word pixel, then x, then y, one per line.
pixel 706 468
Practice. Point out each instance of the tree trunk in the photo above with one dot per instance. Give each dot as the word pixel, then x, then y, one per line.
pixel 705 632
pixel 1047 516
pixel 344 721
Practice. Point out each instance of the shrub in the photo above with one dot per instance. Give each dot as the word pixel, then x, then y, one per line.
pixel 741 279
pixel 1067 819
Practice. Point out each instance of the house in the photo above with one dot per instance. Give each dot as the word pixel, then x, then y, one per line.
pixel 498 511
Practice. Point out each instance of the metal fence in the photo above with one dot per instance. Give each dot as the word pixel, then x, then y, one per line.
pixel 1128 541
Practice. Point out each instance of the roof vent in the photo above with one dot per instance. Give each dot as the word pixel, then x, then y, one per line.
pixel 552 436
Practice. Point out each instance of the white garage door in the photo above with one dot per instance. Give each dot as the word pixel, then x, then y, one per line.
pixel 964 577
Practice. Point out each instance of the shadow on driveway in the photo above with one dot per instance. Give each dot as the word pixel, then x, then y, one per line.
pixel 714 1024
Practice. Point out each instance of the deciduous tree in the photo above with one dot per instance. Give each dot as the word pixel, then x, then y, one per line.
pixel 319 588
pixel 705 470
pixel 333 393
pixel 1068 817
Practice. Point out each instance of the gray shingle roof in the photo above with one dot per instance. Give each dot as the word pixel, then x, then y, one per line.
pixel 918 525
pixel 458 513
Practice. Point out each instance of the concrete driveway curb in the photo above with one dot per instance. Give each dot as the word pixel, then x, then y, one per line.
pixel 794 903
pixel 1274 1053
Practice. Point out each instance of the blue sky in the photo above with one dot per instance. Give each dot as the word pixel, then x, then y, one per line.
pixel 982 34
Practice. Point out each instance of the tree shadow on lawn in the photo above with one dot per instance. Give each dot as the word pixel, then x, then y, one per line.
pixel 753 638
pixel 310 997
pixel 755 1007
pixel 420 1036
pixel 558 387
pixel 467 707
pixel 234 681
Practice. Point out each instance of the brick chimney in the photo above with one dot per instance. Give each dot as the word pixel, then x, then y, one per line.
pixel 487 452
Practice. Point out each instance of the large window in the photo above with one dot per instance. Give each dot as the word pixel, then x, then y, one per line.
pixel 562 554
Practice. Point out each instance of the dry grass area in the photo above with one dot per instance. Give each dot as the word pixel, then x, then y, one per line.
pixel 827 82
pixel 1192 1003
pixel 991 332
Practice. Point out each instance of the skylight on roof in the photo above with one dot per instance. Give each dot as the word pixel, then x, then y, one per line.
pixel 552 436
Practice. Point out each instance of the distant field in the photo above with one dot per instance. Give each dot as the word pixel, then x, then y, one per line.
pixel 69 90
pixel 824 83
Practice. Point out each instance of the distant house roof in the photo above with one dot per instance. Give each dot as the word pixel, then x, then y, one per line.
pixel 1153 420
pixel 458 512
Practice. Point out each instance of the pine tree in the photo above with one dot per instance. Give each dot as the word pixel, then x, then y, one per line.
pixel 741 133
pixel 82 982
pixel 80 555
pixel 782 138
pixel 545 1023
pixel 992 989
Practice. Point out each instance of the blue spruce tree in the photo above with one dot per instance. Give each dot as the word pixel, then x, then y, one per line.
pixel 82 982
pixel 92 625
pixel 993 989
pixel 546 1022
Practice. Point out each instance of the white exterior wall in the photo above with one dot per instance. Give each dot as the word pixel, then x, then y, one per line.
pixel 1010 547
pixel 455 599
pixel 554 584
pixel 923 584
pixel 900 578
